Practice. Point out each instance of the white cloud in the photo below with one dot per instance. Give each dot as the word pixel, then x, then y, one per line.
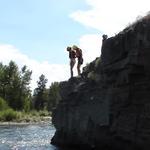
pixel 53 72
pixel 110 17
pixel 91 46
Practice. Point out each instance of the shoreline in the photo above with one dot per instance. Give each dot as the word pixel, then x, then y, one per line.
pixel 44 120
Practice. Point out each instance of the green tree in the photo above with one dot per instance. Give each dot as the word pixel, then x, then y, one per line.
pixel 14 84
pixel 3 104
pixel 54 96
pixel 2 81
pixel 40 98
pixel 25 92
pixel 27 105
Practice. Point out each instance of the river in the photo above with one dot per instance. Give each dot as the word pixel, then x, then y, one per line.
pixel 26 137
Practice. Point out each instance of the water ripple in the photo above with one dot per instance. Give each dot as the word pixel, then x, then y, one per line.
pixel 31 137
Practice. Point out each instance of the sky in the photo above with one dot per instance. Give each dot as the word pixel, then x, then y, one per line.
pixel 36 32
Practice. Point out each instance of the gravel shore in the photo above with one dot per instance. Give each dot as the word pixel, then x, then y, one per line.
pixel 44 120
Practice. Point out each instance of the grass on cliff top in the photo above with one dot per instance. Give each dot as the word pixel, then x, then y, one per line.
pixel 18 116
pixel 139 19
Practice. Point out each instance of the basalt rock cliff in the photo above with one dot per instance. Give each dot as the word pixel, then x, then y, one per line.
pixel 109 106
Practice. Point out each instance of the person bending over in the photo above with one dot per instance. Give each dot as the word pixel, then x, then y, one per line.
pixel 79 57
pixel 72 56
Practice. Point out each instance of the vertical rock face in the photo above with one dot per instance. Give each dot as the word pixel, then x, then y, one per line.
pixel 110 106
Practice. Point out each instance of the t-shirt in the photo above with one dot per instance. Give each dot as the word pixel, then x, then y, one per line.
pixel 72 54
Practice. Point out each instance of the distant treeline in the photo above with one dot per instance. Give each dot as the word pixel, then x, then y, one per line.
pixel 15 90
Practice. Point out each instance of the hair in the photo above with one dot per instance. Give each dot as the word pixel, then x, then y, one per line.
pixel 75 47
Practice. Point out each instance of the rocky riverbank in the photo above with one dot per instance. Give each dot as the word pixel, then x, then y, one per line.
pixel 43 120
pixel 109 107
pixel 11 117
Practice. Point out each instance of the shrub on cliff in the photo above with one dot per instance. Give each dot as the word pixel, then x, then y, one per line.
pixel 97 62
pixel 93 76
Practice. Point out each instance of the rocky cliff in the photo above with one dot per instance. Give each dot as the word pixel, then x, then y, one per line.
pixel 109 107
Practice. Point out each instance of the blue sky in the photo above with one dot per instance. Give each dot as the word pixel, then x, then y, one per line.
pixel 36 32
pixel 41 29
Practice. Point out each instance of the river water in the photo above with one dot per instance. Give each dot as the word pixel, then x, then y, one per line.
pixel 26 137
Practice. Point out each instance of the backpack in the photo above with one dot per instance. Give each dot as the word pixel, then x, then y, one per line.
pixel 79 53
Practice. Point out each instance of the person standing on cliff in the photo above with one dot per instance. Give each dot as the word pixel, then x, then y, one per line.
pixel 104 38
pixel 72 56
pixel 79 57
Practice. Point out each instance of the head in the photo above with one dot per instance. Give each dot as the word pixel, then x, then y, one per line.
pixel 74 47
pixel 68 48
pixel 104 36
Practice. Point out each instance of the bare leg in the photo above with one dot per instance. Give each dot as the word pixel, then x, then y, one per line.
pixel 72 63
pixel 71 72
pixel 78 69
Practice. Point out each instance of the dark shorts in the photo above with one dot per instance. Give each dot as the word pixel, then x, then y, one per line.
pixel 80 61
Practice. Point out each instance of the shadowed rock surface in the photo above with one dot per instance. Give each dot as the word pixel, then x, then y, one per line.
pixel 109 107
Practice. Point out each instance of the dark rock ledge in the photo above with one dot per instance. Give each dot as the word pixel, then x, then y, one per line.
pixel 109 107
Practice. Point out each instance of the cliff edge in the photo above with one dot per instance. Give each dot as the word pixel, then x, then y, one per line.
pixel 109 107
